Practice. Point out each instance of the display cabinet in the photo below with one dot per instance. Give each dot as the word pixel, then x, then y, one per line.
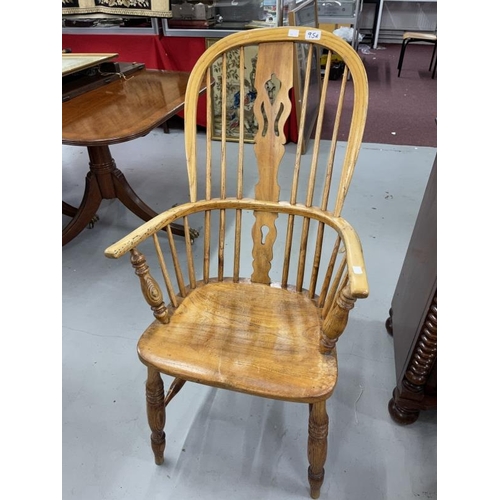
pixel 208 18
pixel 112 24
pixel 218 18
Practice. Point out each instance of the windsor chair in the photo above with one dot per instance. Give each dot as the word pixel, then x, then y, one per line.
pixel 262 296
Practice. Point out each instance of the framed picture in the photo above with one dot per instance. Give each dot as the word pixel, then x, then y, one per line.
pixel 144 8
pixel 306 14
pixel 232 110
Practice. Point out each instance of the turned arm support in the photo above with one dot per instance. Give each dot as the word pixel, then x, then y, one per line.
pixel 336 319
pixel 355 286
pixel 150 289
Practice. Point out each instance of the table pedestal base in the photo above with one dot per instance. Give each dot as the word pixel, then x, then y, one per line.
pixel 105 182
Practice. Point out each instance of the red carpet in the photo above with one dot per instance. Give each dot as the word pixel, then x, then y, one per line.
pixel 402 111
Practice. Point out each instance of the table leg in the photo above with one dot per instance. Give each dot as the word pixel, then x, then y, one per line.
pixel 68 209
pixel 85 214
pixel 105 181
pixel 71 211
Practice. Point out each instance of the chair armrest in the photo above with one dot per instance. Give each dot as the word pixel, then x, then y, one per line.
pixel 354 254
pixel 145 230
pixel 355 259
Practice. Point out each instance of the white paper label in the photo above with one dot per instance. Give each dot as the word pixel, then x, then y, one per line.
pixel 294 33
pixel 313 35
pixel 357 270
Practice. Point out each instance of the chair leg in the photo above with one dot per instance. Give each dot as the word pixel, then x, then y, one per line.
pixel 155 404
pixel 402 54
pixel 317 446
pixel 434 69
pixel 433 56
pixel 433 64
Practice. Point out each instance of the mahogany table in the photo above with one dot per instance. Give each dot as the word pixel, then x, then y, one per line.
pixel 119 111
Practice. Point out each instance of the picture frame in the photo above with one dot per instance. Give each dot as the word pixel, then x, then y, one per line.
pixel 306 14
pixel 143 8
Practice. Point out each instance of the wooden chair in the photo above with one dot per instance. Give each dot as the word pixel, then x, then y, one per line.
pixel 271 332
pixel 416 36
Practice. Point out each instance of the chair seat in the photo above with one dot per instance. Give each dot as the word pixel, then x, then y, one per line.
pixel 415 35
pixel 248 337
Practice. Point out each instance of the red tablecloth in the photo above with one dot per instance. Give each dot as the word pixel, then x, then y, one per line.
pixel 145 49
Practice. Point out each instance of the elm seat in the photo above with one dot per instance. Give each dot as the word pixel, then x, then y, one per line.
pixel 289 327
pixel 415 36
pixel 257 303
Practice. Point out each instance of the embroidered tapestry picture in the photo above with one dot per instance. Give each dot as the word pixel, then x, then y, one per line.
pixel 144 8
pixel 232 110
pixel 132 4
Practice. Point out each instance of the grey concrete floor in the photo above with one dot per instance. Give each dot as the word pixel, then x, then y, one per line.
pixel 223 445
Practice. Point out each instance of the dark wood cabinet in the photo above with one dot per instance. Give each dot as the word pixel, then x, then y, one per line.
pixel 413 317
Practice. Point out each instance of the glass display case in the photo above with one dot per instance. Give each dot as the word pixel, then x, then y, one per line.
pixel 218 18
pixel 94 24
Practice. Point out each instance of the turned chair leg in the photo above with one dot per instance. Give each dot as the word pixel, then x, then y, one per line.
pixel 317 446
pixel 155 403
